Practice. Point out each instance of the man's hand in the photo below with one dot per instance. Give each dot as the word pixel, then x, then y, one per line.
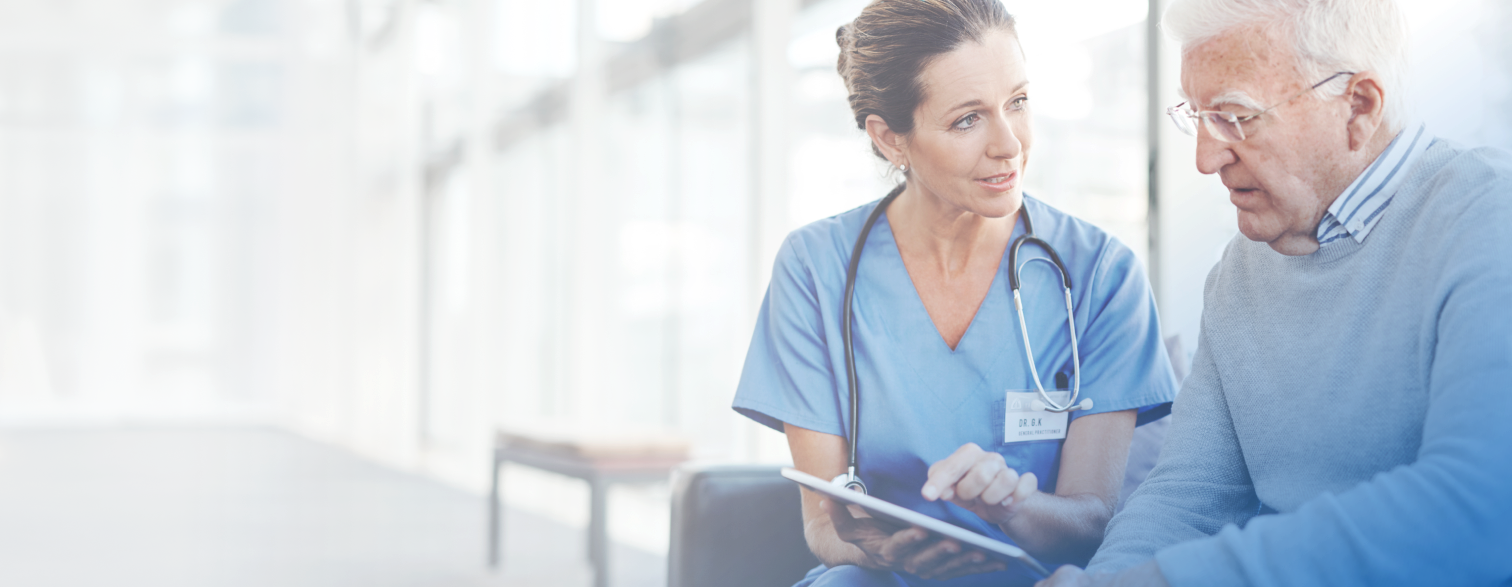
pixel 981 482
pixel 1145 575
pixel 911 550
pixel 1067 576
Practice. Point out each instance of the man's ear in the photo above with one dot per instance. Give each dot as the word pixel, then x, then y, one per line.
pixel 890 143
pixel 1367 108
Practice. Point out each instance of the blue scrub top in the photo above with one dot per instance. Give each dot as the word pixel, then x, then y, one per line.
pixel 920 400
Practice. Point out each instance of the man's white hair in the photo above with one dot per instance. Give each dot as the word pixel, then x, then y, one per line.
pixel 1328 36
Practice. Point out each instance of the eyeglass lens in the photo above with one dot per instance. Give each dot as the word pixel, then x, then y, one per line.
pixel 1223 128
pixel 1183 120
pixel 1218 125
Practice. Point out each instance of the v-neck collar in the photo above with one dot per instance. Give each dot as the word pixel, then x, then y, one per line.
pixel 981 348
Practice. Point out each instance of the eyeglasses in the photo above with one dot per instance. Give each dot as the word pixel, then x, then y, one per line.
pixel 1227 126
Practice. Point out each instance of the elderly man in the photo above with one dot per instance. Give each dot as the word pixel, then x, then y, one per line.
pixel 1346 419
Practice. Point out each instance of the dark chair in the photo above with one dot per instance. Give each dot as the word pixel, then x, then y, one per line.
pixel 736 526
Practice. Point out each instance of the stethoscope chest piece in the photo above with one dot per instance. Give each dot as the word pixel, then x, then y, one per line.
pixel 849 481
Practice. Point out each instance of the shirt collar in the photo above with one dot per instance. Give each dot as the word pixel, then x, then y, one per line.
pixel 1357 210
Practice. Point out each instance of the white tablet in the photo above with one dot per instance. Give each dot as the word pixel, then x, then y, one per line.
pixel 907 517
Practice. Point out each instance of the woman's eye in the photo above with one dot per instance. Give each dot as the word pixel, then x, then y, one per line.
pixel 1019 103
pixel 967 121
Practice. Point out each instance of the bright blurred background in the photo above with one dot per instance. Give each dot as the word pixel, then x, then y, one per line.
pixel 397 226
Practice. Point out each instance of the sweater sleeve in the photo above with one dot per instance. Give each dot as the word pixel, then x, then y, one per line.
pixel 1444 519
pixel 1199 484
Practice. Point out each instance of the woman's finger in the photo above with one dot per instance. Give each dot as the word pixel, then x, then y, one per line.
pixel 901 545
pixel 1001 488
pixel 956 563
pixel 1027 485
pixel 931 556
pixel 943 475
pixel 979 477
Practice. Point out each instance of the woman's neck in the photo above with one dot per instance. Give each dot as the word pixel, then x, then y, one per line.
pixel 943 235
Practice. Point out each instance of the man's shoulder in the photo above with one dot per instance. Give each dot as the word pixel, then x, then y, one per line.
pixel 1457 179
pixel 1472 160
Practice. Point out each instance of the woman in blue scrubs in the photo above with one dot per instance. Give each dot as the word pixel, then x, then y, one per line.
pixel 940 87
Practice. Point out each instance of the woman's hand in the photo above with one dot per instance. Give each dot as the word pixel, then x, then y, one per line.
pixel 911 550
pixel 981 482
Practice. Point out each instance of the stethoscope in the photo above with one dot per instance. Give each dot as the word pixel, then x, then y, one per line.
pixel 849 479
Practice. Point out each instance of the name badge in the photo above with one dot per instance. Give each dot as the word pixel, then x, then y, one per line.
pixel 1022 422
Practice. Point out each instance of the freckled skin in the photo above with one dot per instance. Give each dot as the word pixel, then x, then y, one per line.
pixel 1297 158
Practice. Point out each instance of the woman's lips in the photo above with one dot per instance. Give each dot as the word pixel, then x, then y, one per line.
pixel 1000 183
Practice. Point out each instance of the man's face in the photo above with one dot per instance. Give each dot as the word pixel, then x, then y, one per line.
pixel 1292 165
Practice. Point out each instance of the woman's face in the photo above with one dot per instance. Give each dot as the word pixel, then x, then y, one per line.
pixel 971 132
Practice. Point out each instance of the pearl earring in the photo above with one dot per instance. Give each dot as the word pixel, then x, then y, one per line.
pixel 903 168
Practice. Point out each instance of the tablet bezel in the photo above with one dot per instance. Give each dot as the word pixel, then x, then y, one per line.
pixel 901 515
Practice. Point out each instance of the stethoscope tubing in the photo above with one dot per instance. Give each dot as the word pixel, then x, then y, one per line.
pixel 853 481
pixel 850 479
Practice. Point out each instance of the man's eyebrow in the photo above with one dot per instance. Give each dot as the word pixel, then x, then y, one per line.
pixel 1236 98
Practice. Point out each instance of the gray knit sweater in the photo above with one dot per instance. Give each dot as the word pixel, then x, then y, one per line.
pixel 1364 392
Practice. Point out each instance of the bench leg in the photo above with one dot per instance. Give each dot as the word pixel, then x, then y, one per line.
pixel 598 533
pixel 493 514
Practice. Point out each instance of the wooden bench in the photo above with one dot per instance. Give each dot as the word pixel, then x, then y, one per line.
pixel 601 460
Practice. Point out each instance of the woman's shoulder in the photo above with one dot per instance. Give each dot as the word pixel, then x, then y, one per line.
pixel 1063 229
pixel 826 242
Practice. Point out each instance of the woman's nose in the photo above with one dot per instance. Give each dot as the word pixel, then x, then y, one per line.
pixel 1004 143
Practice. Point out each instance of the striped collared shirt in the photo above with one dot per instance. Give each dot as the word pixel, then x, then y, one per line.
pixel 1359 208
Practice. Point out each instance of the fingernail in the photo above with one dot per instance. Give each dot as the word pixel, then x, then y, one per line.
pixel 930 493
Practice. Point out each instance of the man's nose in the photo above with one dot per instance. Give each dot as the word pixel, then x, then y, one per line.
pixel 1213 154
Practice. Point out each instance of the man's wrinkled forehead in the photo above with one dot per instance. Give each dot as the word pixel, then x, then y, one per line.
pixel 1233 68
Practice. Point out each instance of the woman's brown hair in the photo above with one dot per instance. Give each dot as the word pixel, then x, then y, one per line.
pixel 885 49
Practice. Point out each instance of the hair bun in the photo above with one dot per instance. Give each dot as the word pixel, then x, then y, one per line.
pixel 845 37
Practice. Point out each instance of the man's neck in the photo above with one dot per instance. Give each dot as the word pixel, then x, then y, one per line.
pixel 1306 242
